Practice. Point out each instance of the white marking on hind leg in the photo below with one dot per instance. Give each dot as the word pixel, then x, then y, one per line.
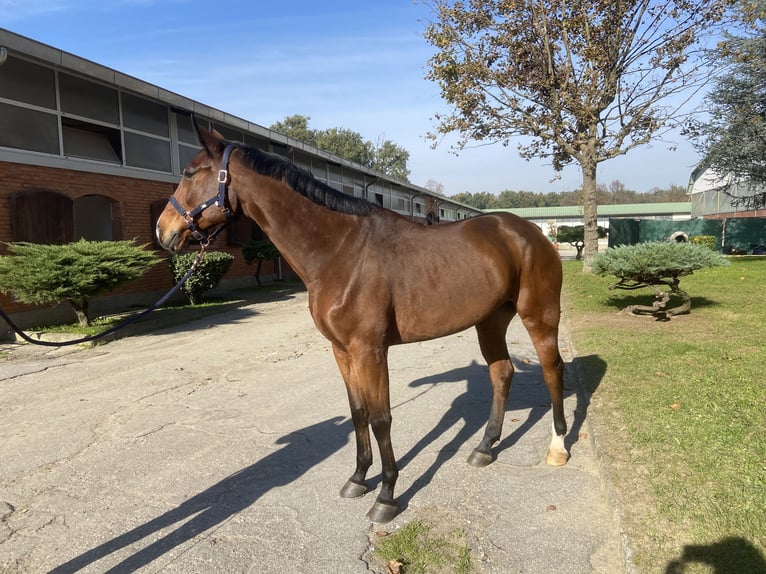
pixel 557 452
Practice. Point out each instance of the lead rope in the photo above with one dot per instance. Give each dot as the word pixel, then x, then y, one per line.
pixel 118 326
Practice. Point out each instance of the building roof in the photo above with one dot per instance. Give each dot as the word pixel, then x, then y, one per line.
pixel 621 210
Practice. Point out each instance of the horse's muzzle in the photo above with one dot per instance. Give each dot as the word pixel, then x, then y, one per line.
pixel 172 241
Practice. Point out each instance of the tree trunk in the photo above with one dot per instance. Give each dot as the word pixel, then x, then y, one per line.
pixel 590 210
pixel 81 310
pixel 258 271
pixel 659 309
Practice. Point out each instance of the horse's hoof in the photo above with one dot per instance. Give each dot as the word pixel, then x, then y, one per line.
pixel 478 458
pixel 382 512
pixel 353 490
pixel 557 458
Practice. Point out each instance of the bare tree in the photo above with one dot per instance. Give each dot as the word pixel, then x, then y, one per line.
pixel 585 80
pixel 435 186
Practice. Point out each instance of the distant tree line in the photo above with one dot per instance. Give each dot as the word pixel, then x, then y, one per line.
pixel 614 194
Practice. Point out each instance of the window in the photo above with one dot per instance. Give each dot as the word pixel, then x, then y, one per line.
pixel 257 142
pixel 319 169
pixel 147 152
pixel 230 134
pixel 281 149
pixel 88 99
pixel 302 160
pixel 23 128
pixel 186 154
pixel 91 141
pixel 27 82
pixel 185 130
pixel 144 115
pixel 335 175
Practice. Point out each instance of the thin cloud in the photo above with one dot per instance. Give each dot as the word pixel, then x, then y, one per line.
pixel 14 10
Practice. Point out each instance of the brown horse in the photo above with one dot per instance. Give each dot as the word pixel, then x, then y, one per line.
pixel 376 279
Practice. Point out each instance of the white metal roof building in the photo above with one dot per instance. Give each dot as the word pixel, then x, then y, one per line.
pixel 549 218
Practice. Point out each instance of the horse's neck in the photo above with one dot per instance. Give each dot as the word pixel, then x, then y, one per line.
pixel 307 234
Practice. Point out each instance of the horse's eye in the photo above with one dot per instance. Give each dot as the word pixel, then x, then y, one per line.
pixel 188 173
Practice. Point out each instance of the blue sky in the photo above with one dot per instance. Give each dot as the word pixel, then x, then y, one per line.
pixel 344 63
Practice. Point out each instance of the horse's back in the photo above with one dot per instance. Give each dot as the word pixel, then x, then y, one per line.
pixel 446 278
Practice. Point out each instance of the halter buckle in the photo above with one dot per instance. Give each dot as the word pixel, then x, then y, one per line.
pixel 223 176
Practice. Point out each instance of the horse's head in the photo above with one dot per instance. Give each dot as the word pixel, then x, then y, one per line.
pixel 198 204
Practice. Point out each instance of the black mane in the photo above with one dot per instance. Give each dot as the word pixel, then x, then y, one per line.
pixel 280 168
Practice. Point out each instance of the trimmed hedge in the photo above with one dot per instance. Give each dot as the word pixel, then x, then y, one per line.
pixel 208 274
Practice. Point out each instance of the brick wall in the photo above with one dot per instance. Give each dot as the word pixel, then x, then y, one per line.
pixel 132 216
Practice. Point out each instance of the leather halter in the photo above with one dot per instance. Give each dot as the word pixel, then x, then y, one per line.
pixel 218 200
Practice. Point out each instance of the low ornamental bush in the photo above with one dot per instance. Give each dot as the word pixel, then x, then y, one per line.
pixel 208 274
pixel 658 265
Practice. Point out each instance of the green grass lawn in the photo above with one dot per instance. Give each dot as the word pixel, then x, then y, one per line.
pixel 681 409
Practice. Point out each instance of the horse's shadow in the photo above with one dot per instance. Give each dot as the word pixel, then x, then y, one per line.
pixel 470 410
pixel 303 449
pixel 731 555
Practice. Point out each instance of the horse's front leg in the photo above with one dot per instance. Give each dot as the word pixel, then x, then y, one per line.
pixel 355 485
pixel 370 403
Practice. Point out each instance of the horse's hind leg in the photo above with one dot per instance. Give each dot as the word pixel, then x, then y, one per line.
pixel 494 349
pixel 543 328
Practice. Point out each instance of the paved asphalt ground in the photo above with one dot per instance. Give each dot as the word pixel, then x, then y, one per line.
pixel 220 445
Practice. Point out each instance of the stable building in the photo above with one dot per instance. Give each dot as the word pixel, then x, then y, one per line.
pixel 89 152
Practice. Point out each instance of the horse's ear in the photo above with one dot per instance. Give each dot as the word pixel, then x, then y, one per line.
pixel 211 140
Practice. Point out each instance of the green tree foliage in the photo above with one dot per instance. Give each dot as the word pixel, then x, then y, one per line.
pixel 74 273
pixel 657 265
pixel 575 236
pixel 384 155
pixel 391 159
pixel 296 127
pixel 208 274
pixel 259 250
pixel 615 194
pixel 345 143
pixel 583 81
pixel 733 140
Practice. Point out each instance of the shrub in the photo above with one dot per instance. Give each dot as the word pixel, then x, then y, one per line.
pixel 75 272
pixel 208 274
pixel 706 240
pixel 259 250
pixel 575 236
pixel 656 264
